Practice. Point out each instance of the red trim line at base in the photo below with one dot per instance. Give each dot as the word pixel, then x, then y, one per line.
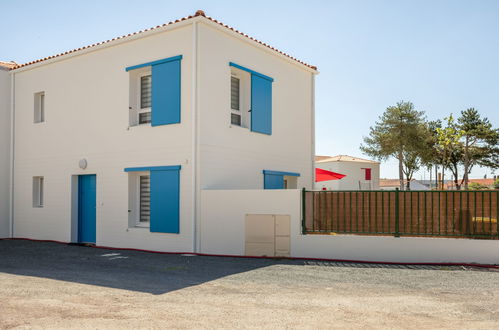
pixel 286 258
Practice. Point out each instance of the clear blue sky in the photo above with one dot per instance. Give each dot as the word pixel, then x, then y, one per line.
pixel 443 55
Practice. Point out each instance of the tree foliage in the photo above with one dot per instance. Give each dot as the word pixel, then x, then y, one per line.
pixel 404 134
pixel 400 133
pixel 480 142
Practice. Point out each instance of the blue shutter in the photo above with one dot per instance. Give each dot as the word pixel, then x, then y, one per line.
pixel 272 181
pixel 261 104
pixel 165 106
pixel 165 201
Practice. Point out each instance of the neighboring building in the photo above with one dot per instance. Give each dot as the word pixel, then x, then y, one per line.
pixel 489 183
pixel 392 184
pixel 5 147
pixel 361 174
pixel 115 141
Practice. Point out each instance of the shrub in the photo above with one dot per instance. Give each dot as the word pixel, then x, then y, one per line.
pixel 477 186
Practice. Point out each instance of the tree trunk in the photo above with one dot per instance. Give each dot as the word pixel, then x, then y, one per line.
pixel 456 178
pixel 401 169
pixel 436 177
pixel 466 164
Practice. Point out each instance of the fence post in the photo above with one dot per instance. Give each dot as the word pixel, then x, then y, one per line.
pixel 397 216
pixel 304 214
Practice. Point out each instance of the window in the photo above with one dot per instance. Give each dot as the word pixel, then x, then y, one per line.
pixel 154 198
pixel 140 199
pixel 145 99
pixel 39 110
pixel 154 96
pixel 38 191
pixel 240 82
pixel 144 200
pixel 235 103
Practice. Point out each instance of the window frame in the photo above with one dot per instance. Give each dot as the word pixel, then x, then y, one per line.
pixel 38 191
pixel 39 107
pixel 146 71
pixel 137 222
pixel 244 111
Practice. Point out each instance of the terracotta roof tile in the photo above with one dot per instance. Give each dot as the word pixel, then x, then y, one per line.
pixel 198 13
pixel 8 65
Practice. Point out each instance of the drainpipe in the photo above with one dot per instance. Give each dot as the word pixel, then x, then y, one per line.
pixel 195 142
pixel 12 127
pixel 312 110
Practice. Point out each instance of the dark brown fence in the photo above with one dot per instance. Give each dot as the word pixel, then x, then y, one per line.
pixel 465 214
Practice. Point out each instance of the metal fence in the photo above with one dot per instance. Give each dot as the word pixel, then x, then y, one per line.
pixel 460 214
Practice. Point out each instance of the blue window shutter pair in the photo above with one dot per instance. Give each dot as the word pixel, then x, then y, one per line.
pixel 165 197
pixel 165 94
pixel 261 100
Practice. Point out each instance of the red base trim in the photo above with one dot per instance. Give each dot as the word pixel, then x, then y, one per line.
pixel 287 258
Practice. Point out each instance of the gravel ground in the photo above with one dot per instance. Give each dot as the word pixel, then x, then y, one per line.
pixel 49 285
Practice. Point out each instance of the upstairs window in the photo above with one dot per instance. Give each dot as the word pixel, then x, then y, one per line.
pixel 235 103
pixel 145 99
pixel 240 85
pixel 252 92
pixel 39 107
pixel 155 92
pixel 38 191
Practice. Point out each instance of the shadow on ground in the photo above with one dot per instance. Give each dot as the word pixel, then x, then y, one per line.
pixel 141 271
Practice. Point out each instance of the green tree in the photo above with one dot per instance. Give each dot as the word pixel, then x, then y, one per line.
pixel 480 142
pixel 400 133
pixel 449 148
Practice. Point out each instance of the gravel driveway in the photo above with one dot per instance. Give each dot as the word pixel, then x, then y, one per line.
pixel 49 285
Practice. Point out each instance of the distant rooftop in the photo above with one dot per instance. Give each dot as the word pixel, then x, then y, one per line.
pixel 343 158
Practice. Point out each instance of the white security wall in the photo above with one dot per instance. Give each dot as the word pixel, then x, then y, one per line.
pixel 87 116
pixel 222 232
pixel 5 161
pixel 354 173
pixel 232 157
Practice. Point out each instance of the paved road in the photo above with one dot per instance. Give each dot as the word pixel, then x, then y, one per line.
pixel 49 285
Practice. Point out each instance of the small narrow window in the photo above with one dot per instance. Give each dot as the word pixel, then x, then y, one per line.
pixel 144 200
pixel 235 102
pixel 145 99
pixel 39 107
pixel 38 191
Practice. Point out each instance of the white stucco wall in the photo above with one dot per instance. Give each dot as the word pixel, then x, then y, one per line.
pixel 5 160
pixel 232 157
pixel 87 116
pixel 222 232
pixel 354 173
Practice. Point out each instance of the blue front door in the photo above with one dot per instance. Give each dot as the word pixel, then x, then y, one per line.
pixel 86 208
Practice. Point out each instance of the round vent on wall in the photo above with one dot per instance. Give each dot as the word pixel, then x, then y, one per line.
pixel 82 163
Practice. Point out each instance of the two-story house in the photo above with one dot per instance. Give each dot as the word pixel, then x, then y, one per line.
pixel 113 142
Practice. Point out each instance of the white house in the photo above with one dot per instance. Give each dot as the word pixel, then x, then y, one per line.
pixel 360 174
pixel 114 142
pixel 5 148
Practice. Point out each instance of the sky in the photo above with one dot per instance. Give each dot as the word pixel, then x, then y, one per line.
pixel 442 55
